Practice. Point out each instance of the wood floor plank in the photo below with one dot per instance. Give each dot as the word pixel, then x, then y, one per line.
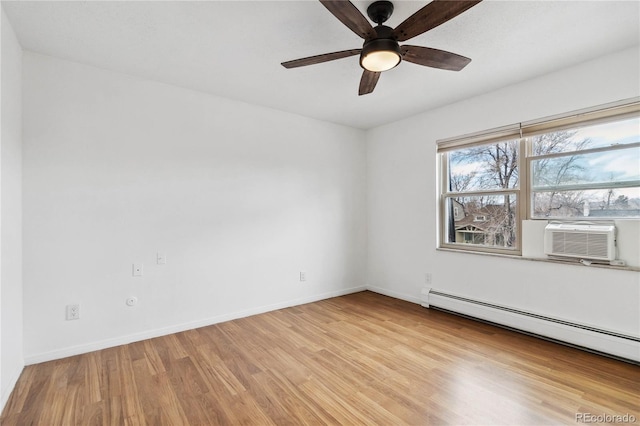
pixel 22 390
pixel 132 410
pixel 218 377
pixel 357 359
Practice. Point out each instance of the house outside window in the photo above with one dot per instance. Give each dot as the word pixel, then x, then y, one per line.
pixel 582 166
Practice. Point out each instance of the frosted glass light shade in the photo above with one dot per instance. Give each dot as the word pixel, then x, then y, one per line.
pixel 380 55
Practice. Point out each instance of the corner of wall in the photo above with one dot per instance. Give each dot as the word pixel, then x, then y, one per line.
pixel 11 330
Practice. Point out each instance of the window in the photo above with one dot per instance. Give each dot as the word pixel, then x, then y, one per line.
pixel 482 196
pixel 591 171
pixel 584 165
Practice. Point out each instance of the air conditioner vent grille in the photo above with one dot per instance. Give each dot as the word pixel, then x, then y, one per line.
pixel 584 241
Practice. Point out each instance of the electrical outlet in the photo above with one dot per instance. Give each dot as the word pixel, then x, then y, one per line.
pixel 73 312
pixel 137 269
pixel 303 276
pixel 427 278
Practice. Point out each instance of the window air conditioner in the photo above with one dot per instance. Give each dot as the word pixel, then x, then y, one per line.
pixel 584 241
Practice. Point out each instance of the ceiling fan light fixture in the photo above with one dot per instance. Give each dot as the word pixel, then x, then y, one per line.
pixel 380 55
pixel 381 51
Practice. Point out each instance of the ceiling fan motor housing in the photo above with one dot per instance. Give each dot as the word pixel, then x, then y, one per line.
pixel 382 42
pixel 384 45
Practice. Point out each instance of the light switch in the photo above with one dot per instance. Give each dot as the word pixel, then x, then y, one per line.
pixel 161 259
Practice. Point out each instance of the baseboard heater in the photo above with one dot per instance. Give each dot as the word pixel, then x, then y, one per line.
pixel 619 345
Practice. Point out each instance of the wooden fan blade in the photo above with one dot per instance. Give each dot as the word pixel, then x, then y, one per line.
pixel 368 82
pixel 321 58
pixel 349 15
pixel 434 58
pixel 433 14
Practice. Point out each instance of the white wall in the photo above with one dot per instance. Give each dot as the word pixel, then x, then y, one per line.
pixel 240 198
pixel 11 355
pixel 402 204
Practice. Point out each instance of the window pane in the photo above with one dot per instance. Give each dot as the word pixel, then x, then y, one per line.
pixel 485 167
pixel 488 220
pixel 599 135
pixel 610 203
pixel 605 167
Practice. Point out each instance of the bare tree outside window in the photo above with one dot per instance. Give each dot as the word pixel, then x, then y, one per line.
pixel 552 172
pixel 582 172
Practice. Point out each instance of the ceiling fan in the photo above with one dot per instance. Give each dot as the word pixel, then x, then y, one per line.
pixel 381 51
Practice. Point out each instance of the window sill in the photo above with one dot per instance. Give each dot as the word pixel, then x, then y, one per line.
pixel 573 262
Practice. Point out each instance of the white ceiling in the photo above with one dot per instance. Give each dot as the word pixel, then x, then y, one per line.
pixel 234 48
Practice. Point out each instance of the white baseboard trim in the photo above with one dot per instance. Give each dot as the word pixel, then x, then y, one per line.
pixel 150 334
pixel 6 392
pixel 394 294
pixel 590 337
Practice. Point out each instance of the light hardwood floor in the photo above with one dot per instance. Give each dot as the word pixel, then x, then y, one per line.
pixel 358 359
